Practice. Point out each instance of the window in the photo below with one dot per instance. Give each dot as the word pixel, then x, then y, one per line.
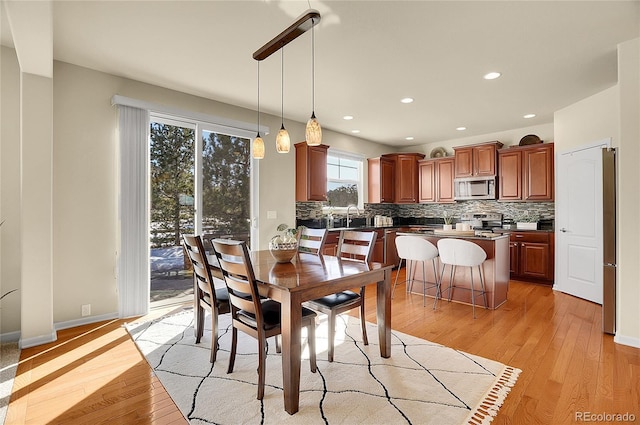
pixel 200 182
pixel 344 180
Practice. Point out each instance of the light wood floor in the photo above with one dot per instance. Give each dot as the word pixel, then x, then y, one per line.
pixel 94 374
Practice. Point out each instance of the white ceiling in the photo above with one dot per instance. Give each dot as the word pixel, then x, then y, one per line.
pixel 369 55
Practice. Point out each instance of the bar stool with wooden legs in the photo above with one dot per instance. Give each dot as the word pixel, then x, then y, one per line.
pixel 414 249
pixel 459 252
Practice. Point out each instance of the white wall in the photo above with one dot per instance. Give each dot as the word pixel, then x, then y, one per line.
pixel 85 183
pixel 507 138
pixel 614 113
pixel 10 243
pixel 590 120
pixel 629 197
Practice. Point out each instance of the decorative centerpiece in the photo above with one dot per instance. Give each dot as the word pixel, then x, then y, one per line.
pixel 447 221
pixel 283 247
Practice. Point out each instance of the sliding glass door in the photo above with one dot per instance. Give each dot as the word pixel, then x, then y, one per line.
pixel 208 193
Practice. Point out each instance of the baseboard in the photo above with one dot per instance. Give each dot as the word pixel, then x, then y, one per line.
pixel 38 340
pixel 627 340
pixel 44 339
pixel 10 336
pixel 85 321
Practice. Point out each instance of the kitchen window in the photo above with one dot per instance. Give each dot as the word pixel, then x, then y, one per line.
pixel 344 180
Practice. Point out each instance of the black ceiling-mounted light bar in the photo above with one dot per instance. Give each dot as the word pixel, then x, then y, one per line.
pixel 304 23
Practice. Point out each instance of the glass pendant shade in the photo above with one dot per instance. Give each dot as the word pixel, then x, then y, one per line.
pixel 283 142
pixel 258 147
pixel 313 132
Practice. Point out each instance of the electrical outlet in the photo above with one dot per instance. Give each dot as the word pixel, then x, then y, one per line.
pixel 86 310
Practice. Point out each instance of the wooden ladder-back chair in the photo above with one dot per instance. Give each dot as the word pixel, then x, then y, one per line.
pixel 205 295
pixel 312 240
pixel 356 246
pixel 253 315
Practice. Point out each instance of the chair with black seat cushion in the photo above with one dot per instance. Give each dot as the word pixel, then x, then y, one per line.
pixel 311 240
pixel 253 315
pixel 205 295
pixel 357 246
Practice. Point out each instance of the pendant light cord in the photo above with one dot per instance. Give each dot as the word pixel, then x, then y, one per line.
pixel 258 98
pixel 282 86
pixel 313 68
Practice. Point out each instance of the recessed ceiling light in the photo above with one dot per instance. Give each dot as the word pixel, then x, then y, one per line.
pixel 408 138
pixel 492 75
pixel 355 131
pixel 406 100
pixel 529 116
pixel 347 117
pixel 461 128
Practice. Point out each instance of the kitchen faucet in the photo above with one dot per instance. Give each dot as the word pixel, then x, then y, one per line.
pixel 348 209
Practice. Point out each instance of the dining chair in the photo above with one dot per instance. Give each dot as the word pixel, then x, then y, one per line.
pixel 413 250
pixel 311 240
pixel 205 295
pixel 253 315
pixel 458 252
pixel 355 245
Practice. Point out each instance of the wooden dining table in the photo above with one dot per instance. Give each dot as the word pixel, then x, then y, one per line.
pixel 307 277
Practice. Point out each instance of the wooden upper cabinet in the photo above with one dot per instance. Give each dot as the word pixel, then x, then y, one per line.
pixel 436 180
pixel 406 178
pixel 445 170
pixel 311 172
pixel 394 178
pixel 427 180
pixel 526 173
pixel 381 172
pixel 537 171
pixel 510 175
pixel 476 160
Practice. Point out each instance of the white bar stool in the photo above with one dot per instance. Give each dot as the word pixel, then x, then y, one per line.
pixel 458 252
pixel 413 249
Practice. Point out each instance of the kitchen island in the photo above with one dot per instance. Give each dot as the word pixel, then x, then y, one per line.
pixel 495 270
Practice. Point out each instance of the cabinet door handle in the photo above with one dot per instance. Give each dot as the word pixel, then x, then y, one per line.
pixel 519 236
pixel 563 230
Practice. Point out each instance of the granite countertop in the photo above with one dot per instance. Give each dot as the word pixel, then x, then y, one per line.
pixel 485 236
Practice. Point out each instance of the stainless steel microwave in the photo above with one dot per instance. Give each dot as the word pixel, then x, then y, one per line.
pixel 474 188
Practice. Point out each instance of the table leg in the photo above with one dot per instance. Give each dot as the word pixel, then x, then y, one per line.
pixel 384 314
pixel 291 345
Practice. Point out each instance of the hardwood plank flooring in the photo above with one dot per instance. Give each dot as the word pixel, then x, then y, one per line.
pixel 94 374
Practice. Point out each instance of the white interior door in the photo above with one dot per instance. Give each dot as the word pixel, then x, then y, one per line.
pixel 579 236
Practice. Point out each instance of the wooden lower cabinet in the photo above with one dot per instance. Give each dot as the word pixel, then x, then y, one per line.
pixel 378 248
pixel 532 256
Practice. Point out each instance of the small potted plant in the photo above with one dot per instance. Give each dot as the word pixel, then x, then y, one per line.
pixel 527 221
pixel 447 221
pixel 284 246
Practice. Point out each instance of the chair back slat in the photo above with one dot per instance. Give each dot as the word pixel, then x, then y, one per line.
pixel 197 254
pixel 356 245
pixel 237 271
pixel 312 240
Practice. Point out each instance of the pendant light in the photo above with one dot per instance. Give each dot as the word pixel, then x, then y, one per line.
pixel 313 132
pixel 258 143
pixel 283 142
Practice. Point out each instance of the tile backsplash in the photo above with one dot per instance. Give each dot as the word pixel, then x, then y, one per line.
pixel 510 210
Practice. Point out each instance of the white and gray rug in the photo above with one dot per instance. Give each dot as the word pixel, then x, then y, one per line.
pixel 421 383
pixel 9 358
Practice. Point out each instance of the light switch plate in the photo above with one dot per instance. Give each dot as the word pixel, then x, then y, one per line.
pixel 272 214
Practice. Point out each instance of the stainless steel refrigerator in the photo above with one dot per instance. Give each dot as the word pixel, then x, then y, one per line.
pixel 609 240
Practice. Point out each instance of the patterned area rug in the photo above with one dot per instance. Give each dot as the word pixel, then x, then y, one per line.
pixel 421 383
